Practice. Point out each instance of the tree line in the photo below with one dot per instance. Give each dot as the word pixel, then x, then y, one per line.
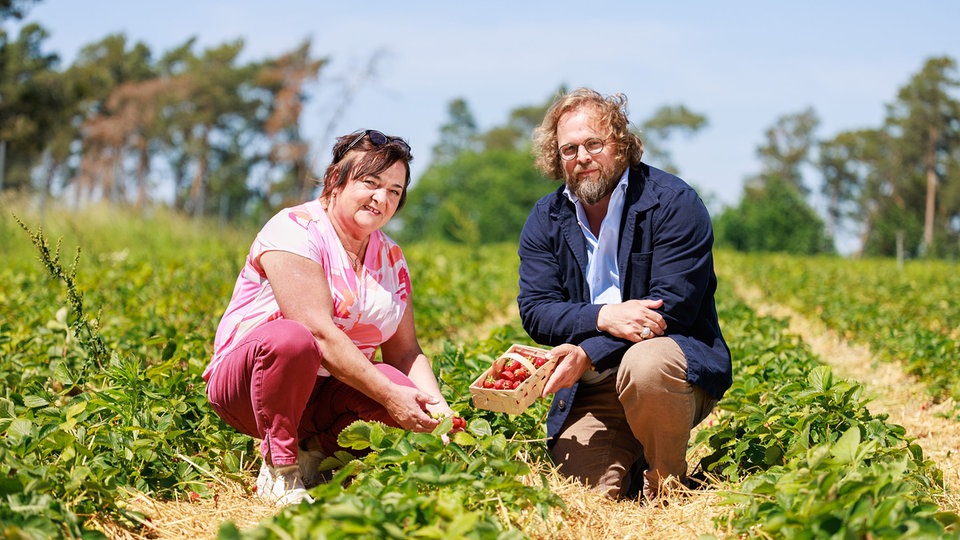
pixel 895 186
pixel 226 134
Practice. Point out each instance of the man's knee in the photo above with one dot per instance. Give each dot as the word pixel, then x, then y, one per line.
pixel 652 366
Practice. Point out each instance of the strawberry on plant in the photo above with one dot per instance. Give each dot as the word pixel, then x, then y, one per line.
pixel 459 423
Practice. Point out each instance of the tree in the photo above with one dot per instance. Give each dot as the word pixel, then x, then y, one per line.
pixel 14 9
pixel 773 214
pixel 223 104
pixel 478 197
pixel 897 181
pixel 29 99
pixel 458 134
pixel 926 116
pixel 772 217
pixel 285 78
pixel 664 122
pixel 479 187
pixel 515 134
pixel 107 73
pixel 787 148
pixel 863 184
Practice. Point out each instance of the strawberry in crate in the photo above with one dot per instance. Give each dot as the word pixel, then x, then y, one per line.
pixel 514 381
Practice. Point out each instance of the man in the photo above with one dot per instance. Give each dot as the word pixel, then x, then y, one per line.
pixel 616 273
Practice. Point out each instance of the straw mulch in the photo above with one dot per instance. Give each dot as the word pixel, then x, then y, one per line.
pixel 589 516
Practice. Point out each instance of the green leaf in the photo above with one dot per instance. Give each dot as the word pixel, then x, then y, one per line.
pixel 845 449
pixel 35 402
pixel 480 427
pixel 6 409
pixel 443 427
pixel 20 428
pixel 356 436
pixel 75 409
pixel 463 438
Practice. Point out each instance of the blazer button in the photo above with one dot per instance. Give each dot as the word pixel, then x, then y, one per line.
pixel 562 405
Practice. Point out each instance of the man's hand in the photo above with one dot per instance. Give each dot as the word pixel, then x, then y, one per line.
pixel 628 319
pixel 572 364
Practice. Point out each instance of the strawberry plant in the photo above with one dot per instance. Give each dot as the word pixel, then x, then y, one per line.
pixel 414 484
pixel 810 459
pixel 908 315
pixel 102 396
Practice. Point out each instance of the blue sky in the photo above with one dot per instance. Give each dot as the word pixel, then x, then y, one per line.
pixel 742 64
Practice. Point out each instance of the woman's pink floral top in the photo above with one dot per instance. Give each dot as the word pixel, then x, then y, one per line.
pixel 367 307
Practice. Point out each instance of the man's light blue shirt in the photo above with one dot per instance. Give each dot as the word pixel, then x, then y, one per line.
pixel 603 274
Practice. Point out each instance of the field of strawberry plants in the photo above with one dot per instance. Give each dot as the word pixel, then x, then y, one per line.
pixel 101 356
pixel 909 314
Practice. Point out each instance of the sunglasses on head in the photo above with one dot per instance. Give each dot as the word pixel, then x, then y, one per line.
pixel 377 138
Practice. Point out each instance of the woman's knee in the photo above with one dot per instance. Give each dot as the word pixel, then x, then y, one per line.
pixel 292 345
pixel 395 375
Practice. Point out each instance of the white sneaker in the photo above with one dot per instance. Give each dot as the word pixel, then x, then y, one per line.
pixel 309 461
pixel 281 485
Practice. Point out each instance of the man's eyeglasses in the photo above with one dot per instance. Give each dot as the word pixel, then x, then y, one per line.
pixel 570 151
pixel 377 138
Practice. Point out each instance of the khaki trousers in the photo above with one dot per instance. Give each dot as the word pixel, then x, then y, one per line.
pixel 640 419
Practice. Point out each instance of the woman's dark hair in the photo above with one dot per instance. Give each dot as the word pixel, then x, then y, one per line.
pixel 357 158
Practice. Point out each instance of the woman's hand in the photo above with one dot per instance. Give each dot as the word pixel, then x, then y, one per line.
pixel 408 406
pixel 440 409
pixel 572 364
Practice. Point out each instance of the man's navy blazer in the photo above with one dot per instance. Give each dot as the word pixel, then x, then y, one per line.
pixel 665 252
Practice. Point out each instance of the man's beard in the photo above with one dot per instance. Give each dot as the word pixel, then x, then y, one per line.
pixel 591 192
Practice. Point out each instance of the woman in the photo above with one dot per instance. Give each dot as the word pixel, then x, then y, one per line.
pixel 321 290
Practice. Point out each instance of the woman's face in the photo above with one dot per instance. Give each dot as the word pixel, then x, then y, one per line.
pixel 367 203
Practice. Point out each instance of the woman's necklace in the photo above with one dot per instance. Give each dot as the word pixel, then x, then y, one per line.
pixel 356 261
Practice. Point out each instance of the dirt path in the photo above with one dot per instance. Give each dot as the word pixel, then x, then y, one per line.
pixel 890 390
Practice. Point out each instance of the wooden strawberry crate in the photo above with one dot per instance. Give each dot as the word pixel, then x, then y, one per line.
pixel 514 400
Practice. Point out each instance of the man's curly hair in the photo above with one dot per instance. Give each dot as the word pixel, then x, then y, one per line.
pixel 611 113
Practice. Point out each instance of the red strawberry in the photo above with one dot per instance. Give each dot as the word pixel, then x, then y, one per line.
pixel 521 374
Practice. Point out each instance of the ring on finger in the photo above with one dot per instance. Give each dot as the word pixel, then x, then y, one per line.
pixel 645 333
